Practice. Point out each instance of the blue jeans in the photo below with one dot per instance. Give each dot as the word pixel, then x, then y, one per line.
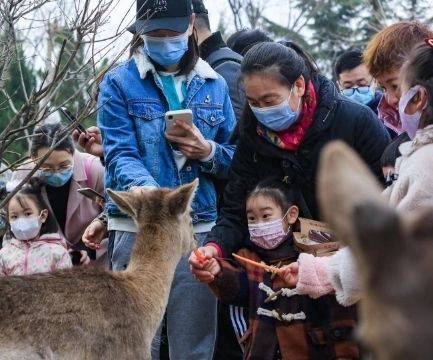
pixel 191 310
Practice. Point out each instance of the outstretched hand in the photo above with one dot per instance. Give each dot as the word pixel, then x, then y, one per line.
pixel 289 274
pixel 203 265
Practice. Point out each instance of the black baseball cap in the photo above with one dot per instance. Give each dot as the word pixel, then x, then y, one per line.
pixel 199 7
pixel 152 15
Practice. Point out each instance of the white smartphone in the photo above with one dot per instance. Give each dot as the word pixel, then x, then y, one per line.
pixel 176 116
pixel 90 193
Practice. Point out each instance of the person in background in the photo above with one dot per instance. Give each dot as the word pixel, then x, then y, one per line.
pixel 384 56
pixel 243 40
pixel 232 320
pixel 221 58
pixel 165 73
pixel 354 80
pixel 34 245
pixel 64 172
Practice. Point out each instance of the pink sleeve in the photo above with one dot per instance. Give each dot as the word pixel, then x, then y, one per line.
pixel 313 277
pixel 64 262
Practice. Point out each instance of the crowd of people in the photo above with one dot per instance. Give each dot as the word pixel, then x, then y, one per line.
pixel 261 114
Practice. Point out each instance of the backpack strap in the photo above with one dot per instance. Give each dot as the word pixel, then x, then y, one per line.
pixel 88 171
pixel 223 55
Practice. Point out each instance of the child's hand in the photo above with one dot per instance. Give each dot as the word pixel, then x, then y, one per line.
pixel 202 264
pixel 94 234
pixel 289 273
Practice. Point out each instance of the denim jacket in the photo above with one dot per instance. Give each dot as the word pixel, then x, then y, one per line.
pixel 131 118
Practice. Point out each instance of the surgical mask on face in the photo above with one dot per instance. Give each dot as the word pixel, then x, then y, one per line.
pixel 56 179
pixel 268 235
pixel 26 228
pixel 362 94
pixel 166 51
pixel 409 123
pixel 279 117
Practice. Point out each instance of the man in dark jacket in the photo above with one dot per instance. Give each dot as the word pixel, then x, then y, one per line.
pixel 354 80
pixel 221 58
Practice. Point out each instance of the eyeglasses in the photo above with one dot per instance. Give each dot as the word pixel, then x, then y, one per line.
pixel 360 90
pixel 52 170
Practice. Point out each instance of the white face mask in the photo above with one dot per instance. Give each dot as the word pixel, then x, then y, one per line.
pixel 26 228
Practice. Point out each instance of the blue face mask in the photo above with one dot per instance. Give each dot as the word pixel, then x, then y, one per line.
pixel 166 51
pixel 362 95
pixel 56 179
pixel 279 117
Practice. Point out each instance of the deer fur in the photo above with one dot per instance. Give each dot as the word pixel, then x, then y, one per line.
pixel 86 313
pixel 393 252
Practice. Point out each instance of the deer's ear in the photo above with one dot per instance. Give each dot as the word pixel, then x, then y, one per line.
pixel 380 238
pixel 344 181
pixel 180 199
pixel 125 201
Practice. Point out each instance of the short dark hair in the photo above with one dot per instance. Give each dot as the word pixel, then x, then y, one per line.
pixel 32 190
pixel 46 134
pixel 347 61
pixel 202 21
pixel 243 40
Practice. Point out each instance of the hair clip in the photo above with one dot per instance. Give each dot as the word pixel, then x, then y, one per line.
pixel 429 42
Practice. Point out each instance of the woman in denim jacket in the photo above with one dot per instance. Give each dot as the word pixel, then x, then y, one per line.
pixel 165 73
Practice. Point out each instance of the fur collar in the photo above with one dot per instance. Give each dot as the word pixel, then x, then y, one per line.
pixel 202 68
pixel 422 137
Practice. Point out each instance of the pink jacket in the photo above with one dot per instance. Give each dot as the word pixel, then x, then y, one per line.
pixel 21 257
pixel 88 172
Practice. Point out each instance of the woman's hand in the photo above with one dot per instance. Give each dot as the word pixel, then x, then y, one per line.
pixel 94 234
pixel 289 273
pixel 193 145
pixel 91 141
pixel 205 270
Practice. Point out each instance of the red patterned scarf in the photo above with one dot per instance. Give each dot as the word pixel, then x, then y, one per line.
pixel 291 138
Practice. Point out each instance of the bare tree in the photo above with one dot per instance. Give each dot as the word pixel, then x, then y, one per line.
pixel 79 55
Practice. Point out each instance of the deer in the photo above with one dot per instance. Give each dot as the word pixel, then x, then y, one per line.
pixel 393 253
pixel 88 313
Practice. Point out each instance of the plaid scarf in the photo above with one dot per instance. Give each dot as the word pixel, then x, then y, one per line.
pixel 291 138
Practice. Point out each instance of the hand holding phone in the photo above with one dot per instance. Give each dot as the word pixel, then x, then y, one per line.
pixel 91 194
pixel 176 116
pixel 72 119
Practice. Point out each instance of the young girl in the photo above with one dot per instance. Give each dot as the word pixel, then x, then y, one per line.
pixel 34 245
pixel 283 325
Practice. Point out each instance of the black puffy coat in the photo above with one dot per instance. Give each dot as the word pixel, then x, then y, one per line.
pixel 256 159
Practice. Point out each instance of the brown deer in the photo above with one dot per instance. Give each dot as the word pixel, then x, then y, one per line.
pixel 86 313
pixel 393 252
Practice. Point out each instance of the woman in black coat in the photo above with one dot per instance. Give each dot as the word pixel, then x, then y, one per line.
pixel 292 113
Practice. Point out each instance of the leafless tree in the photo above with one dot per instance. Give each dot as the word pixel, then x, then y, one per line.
pixel 30 21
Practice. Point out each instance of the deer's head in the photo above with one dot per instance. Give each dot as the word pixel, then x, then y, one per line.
pixel 166 209
pixel 393 252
